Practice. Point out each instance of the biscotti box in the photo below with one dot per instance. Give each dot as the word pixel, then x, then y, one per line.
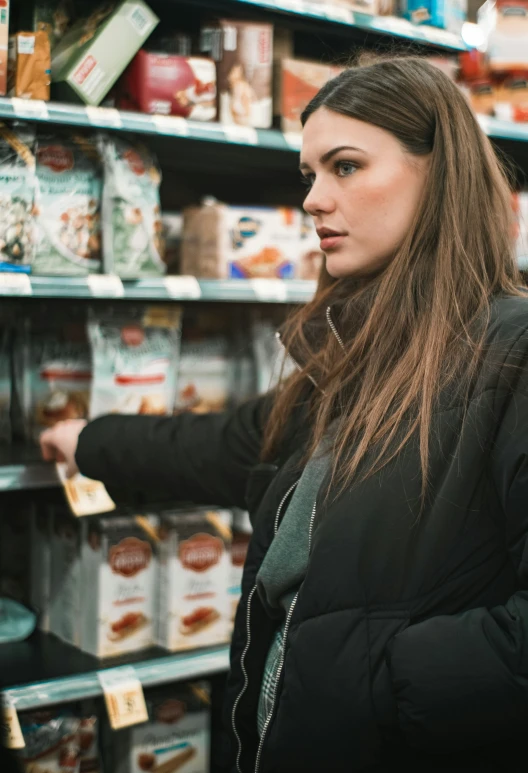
pixel 194 576
pixel 243 52
pixel 120 581
pixel 93 54
pixel 176 736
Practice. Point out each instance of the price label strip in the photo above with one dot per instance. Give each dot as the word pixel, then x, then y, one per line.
pixel 104 116
pixel 245 135
pixel 269 289
pixel 13 732
pixel 294 139
pixel 105 286
pixel 85 496
pixel 12 283
pixel 123 693
pixel 182 287
pixel 30 108
pixel 171 124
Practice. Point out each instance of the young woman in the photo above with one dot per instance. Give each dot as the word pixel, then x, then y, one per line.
pixel 384 618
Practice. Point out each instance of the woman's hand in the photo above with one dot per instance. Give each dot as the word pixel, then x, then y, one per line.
pixel 59 444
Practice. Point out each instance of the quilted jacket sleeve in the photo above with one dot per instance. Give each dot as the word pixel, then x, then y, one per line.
pixel 462 680
pixel 204 459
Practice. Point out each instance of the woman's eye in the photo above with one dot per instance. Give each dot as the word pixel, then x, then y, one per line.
pixel 345 168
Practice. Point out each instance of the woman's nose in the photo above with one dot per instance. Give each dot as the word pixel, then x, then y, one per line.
pixel 318 200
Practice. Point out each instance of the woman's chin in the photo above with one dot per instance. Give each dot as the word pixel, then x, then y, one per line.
pixel 340 266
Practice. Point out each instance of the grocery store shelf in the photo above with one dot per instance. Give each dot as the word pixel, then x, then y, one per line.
pixel 22 469
pixel 380 25
pixel 161 289
pixel 44 671
pixel 171 126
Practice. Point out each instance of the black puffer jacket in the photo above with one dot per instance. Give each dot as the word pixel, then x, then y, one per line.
pixel 408 640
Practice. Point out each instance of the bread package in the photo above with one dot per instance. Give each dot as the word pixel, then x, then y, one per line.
pixel 30 65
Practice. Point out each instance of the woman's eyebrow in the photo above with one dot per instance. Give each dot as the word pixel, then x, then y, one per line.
pixel 329 153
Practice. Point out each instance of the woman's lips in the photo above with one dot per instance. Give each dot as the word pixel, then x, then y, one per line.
pixel 330 242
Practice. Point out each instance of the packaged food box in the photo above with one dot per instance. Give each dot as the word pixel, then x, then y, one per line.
pixel 194 575
pixel 170 85
pixel 51 739
pixel 377 7
pixel 446 14
pixel 296 83
pixel 132 226
pixel 29 73
pixel 17 194
pixel 242 531
pixel 176 736
pixel 120 580
pixel 505 24
pixel 40 565
pixel 243 52
pixel 4 45
pixel 220 241
pixel 67 604
pixel 96 50
pixel 68 207
pixel 204 377
pixel 135 361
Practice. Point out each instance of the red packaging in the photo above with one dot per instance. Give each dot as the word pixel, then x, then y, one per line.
pixel 170 85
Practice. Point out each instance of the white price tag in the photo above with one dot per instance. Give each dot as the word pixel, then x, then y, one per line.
pixel 125 702
pixel 292 5
pixel 171 124
pixel 269 289
pixel 104 116
pixel 30 108
pixel 294 139
pixel 183 287
pixel 13 735
pixel 105 286
pixel 245 135
pixel 338 13
pixel 14 283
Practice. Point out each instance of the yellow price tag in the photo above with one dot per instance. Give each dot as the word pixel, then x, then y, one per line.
pixel 13 738
pixel 123 693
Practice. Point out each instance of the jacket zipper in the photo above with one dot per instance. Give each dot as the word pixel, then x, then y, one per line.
pixel 248 642
pixel 283 654
pixel 333 327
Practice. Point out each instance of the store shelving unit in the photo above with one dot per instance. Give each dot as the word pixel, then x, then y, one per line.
pixel 44 671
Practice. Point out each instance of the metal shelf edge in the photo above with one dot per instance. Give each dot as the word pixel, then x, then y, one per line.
pixel 172 668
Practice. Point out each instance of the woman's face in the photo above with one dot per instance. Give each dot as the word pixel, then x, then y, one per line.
pixel 364 191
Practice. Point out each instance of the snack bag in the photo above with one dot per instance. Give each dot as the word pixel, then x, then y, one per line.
pixel 59 381
pixel 17 191
pixel 135 361
pixel 204 376
pixel 89 732
pixel 68 223
pixel 52 742
pixel 132 225
pixel 29 73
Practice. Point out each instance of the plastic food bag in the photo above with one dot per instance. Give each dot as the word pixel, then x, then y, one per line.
pixel 204 377
pixel 135 361
pixel 17 191
pixel 68 207
pixel 132 226
pixel 52 742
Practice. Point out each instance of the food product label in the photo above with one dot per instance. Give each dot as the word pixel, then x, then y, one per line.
pixel 124 697
pixel 14 738
pixel 26 44
pixel 182 287
pixel 263 244
pixel 106 286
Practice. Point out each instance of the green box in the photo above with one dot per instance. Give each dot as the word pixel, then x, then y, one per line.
pixel 93 54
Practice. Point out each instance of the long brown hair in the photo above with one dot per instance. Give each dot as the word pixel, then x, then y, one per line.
pixel 402 336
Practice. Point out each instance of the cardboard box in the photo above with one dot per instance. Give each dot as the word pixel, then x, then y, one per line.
pixel 120 582
pixel 446 14
pixel 4 45
pixel 505 23
pixel 93 54
pixel 170 85
pixel 243 52
pixel 220 241
pixel 296 83
pixel 176 736
pixel 194 575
